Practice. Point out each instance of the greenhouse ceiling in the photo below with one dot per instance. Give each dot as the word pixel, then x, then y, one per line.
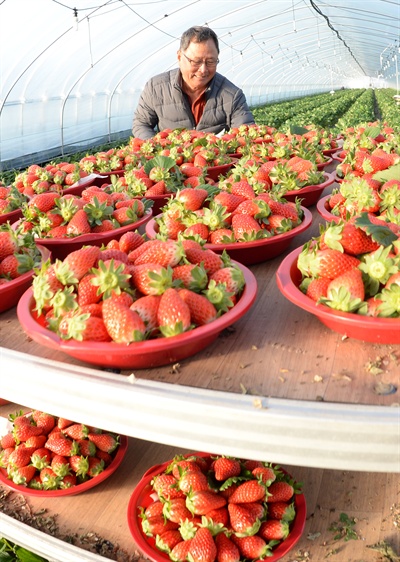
pixel 72 71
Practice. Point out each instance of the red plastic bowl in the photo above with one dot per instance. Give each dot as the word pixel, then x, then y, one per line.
pixel 250 253
pixel 322 165
pixel 11 291
pixel 11 217
pixel 324 210
pixel 61 247
pixel 214 172
pixel 144 354
pixel 310 194
pixel 74 490
pixel 365 328
pixel 142 497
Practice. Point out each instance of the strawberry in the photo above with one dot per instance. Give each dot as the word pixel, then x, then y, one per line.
pixel 157 525
pixel 281 510
pixel 198 229
pixel 243 189
pixel 87 448
pixel 167 540
pixel 246 228
pixel 202 311
pixel 67 481
pixel 43 202
pixel 175 510
pixel 265 474
pixel 62 446
pixel 327 263
pixel 227 551
pixel 225 467
pixel 60 465
pixel 8 243
pixel 151 279
pixel 192 199
pixel 249 491
pixel 41 458
pixel 202 501
pixel 130 240
pixel 253 547
pixel 317 288
pixel 79 464
pixel 45 421
pixel 122 324
pixel 79 224
pixel 193 480
pixel 49 479
pixel 24 431
pixel 280 492
pixel 222 236
pixel 173 315
pixel 192 276
pixel 202 547
pixel 22 475
pixel 147 307
pixel 7 441
pixel 165 253
pixel 346 292
pixel 243 520
pixel 76 431
pixel 87 292
pixel 9 267
pixel 232 276
pixel 166 486
pixel 189 169
pixel 180 551
pixel 228 200
pixel 274 529
pixel 77 264
pixel 106 442
pixel 155 508
pixel 96 466
pixel 210 260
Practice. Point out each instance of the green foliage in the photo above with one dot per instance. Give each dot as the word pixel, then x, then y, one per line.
pixel 10 552
pixel 344 528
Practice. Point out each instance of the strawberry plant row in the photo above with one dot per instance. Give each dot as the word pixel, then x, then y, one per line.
pixel 361 111
pixel 390 112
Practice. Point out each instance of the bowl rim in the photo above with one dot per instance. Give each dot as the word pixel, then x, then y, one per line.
pixel 278 238
pixel 158 345
pixel 22 279
pixel 291 291
pixel 142 488
pixel 323 211
pixel 329 179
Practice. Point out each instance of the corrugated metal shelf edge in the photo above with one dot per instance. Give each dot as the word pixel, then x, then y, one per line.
pixel 304 433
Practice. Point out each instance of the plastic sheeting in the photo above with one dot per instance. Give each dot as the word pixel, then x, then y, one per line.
pixel 72 71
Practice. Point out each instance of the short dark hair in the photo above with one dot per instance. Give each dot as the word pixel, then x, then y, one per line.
pixel 198 34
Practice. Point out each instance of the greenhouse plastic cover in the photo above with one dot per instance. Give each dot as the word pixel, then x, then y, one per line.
pixel 72 71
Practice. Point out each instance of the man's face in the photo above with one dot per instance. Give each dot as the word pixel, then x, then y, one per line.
pixel 195 76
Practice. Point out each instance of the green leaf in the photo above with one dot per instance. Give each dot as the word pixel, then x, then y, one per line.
pixel 298 130
pixel 379 233
pixel 392 173
pixel 372 132
pixel 162 161
pixel 26 556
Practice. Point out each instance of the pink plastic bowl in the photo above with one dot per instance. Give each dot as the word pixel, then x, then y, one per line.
pixel 324 210
pixel 250 253
pixel 141 497
pixel 366 328
pixel 144 354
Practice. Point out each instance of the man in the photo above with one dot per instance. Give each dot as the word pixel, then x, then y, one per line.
pixel 193 96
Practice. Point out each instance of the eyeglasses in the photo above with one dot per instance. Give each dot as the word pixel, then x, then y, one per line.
pixel 211 63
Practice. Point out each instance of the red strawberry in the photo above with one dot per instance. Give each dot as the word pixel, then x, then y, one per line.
pixel 219 516
pixel 202 311
pixel 222 236
pixel 225 467
pixel 122 324
pixel 227 551
pixel 274 529
pixel 345 289
pixel 253 547
pixel 147 308
pixel 8 243
pixel 202 547
pixel 68 481
pixel 249 491
pixel 79 224
pixel 192 199
pixel 175 510
pixel 41 458
pixel 166 486
pixel 45 421
pixel 130 241
pixel 173 313
pixel 151 279
pixel 245 228
pixel 60 465
pixel 106 442
pixel 228 200
pixel 210 260
pixel 232 276
pixel 24 431
pixel 155 508
pixel 156 525
pixel 77 264
pixel 166 253
pixel 7 441
pixel 280 492
pixel 96 466
pixel 203 501
pixel 198 229
pixel 43 202
pixel 180 551
pixel 76 431
pixel 188 169
pixel 79 464
pixel 193 480
pixel 325 263
pixel 192 276
pixel 265 474
pixel 22 475
pixel 49 479
pixel 243 189
pixel 243 520
pixel 167 540
pixel 87 292
pixel 281 510
pixel 61 445
pixel 317 288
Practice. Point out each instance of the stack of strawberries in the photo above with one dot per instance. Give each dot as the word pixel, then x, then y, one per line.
pixel 208 508
pixel 46 452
